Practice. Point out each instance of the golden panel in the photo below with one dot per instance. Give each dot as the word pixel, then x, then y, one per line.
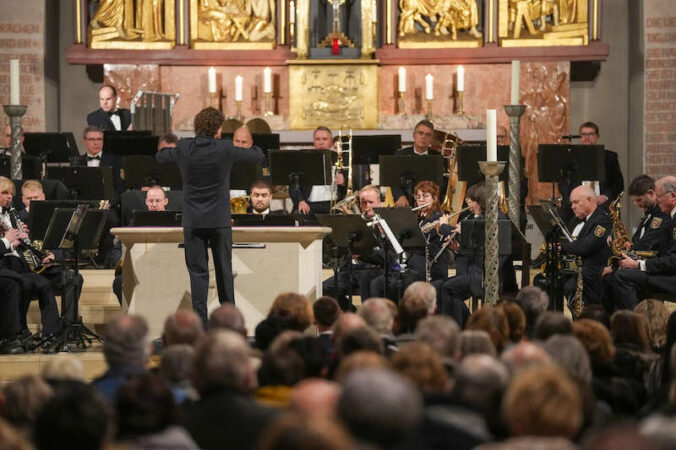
pixel 427 41
pixel 438 23
pixel 232 22
pixel 524 23
pixel 333 95
pixel 550 42
pixel 200 45
pixel 132 45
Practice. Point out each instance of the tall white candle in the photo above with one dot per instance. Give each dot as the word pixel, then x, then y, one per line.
pixel 491 135
pixel 292 12
pixel 516 72
pixel 402 79
pixel 429 86
pixel 212 80
pixel 461 79
pixel 267 80
pixel 238 88
pixel 374 12
pixel 14 82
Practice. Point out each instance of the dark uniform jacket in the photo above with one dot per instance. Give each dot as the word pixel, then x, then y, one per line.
pixel 665 261
pixel 656 224
pixel 101 119
pixel 205 164
pixel 591 242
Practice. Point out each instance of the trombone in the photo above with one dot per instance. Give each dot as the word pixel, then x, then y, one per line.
pixel 344 146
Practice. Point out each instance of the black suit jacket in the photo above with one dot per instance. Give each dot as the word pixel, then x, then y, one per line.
pixel 205 164
pixel 101 119
pixel 398 192
pixel 656 225
pixel 109 160
pixel 611 187
pixel 665 261
pixel 591 242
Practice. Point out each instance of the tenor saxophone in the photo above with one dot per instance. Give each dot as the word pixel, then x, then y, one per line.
pixel 578 305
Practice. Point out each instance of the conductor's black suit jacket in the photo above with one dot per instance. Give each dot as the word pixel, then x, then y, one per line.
pixel 101 119
pixel 205 164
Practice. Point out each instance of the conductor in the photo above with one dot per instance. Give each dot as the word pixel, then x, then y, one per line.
pixel 205 162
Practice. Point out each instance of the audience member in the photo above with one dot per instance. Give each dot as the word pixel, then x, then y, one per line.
pixel 326 312
pixel 473 342
pixel 533 301
pixel 228 317
pixel 292 432
pixel 182 327
pixel 656 316
pixel 63 366
pixel 23 400
pixel 10 439
pixel 377 314
pixel 412 309
pixel 358 339
pixel 295 308
pixel 516 320
pixel 419 363
pixel 175 369
pixel 361 359
pixel 279 371
pixel 424 291
pixel 551 323
pixel 494 322
pixel 524 355
pixel 596 312
pixel 442 333
pixel 315 398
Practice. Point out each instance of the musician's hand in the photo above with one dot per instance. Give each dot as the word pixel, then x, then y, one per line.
pixel 48 259
pixel 628 263
pixel 303 207
pixel 442 220
pixel 457 227
pixel 609 240
pixel 339 180
pixel 606 270
pixel 455 246
pixel 13 236
pixel 601 199
pixel 23 235
pixel 401 202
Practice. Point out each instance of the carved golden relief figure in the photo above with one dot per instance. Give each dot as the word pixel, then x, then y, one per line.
pixel 548 22
pixel 217 23
pixel 447 16
pixel 129 24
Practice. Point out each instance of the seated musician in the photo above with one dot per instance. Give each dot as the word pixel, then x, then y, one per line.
pixel 242 137
pixel 436 230
pixel 650 233
pixel 310 200
pixel 423 135
pixel 13 265
pixel 635 279
pixel 260 198
pixel 364 267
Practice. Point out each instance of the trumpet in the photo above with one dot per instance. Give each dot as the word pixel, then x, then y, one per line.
pixel 239 205
pixel 348 205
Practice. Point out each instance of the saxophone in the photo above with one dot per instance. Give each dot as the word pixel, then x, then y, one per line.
pixel 578 305
pixel 621 242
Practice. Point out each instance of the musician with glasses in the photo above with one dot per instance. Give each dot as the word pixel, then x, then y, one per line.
pixel 423 136
pixel 13 266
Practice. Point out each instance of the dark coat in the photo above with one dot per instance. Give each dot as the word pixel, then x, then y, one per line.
pixel 205 164
pixel 591 242
pixel 665 261
pixel 656 225
pixel 101 119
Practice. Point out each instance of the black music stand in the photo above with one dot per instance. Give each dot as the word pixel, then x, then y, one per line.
pixel 57 147
pixel 263 220
pixel 41 213
pixel 144 218
pixel 570 163
pixel 368 149
pixel 73 229
pixel 138 169
pixel 126 143
pixel 405 171
pixel 351 233
pixel 243 175
pixel 90 183
pixel 468 163
pixel 473 238
pixel 296 167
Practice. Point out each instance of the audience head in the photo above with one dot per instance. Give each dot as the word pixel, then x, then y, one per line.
pixel 280 368
pixel 551 323
pixel 425 291
pixel 292 432
pixel 168 140
pixel 268 330
pixel 31 190
pixel 543 401
pixel 63 366
pixel 596 339
pixel 534 301
pixel 480 380
pixel 326 311
pixel 583 201
pixel 569 353
pixel 357 339
pixel 261 196
pixel 597 313
pixel 228 317
pixel 441 333
pixel 156 199
pixel 377 315
pixel 23 400
pixel 494 322
pixel 423 135
pixel 176 363
pixel 473 342
pixel 524 355
pixel 412 309
pixel 145 405
pixel 627 327
pixel 182 327
pixel 516 320
pixel 322 138
pixel 11 439
pixel 656 316
pixel 92 138
pixel 642 192
pixel 621 436
pixel 420 364
pixel 666 193
pixel 222 361
pixel 345 322
pixel 209 122
pixel 77 416
pixel 311 351
pixel 589 133
pixel 295 308
pixel 126 341
pixel 108 98
pixel 361 359
pixel 242 137
pixel 315 397
pixel 379 407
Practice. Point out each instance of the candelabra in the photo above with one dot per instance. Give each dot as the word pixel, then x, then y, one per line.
pixel 15 112
pixel 401 103
pixel 491 169
pixel 458 103
pixel 514 112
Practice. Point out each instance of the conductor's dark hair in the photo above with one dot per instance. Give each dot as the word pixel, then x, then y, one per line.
pixel 641 184
pixel 426 123
pixel 169 138
pixel 208 121
pixel 590 125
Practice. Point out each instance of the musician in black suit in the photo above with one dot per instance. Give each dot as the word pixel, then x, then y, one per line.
pixel 260 198
pixel 605 191
pixel 423 135
pixel 205 163
pixel 109 117
pixel 590 227
pixel 637 278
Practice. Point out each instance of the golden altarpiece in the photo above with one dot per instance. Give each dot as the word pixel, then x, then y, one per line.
pixel 362 64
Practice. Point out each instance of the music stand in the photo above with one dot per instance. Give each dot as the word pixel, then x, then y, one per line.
pixel 296 167
pixel 73 229
pixel 58 147
pixel 138 168
pixel 468 163
pixel 348 232
pixel 367 149
pixel 41 213
pixel 142 218
pixel 260 220
pixel 570 163
pixel 90 183
pixel 405 171
pixel 243 175
pixel 125 143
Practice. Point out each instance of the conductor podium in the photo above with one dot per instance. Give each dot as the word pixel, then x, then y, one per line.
pixel 265 262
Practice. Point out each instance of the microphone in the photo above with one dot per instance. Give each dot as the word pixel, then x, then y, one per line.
pixel 571 137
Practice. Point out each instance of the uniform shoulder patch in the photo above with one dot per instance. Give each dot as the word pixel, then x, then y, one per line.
pixel 655 223
pixel 599 231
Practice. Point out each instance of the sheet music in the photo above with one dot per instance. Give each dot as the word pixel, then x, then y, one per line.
pixel 549 207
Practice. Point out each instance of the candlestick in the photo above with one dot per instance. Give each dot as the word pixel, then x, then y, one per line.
pixel 491 280
pixel 14 75
pixel 292 12
pixel 429 109
pixel 401 104
pixel 514 112
pixel 458 103
pixel 429 87
pixel 374 12
pixel 516 73
pixel 212 80
pixel 402 79
pixel 214 98
pixel 238 111
pixel 267 80
pixel 238 88
pixel 268 104
pixel 491 135
pixel 14 112
pixel 461 79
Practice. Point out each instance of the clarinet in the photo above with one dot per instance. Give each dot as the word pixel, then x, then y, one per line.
pixel 31 255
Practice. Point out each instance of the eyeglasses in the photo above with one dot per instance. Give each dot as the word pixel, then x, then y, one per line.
pixel 587 134
pixel 94 139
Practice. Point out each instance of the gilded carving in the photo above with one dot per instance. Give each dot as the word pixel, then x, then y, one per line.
pixel 232 22
pixel 133 25
pixel 545 92
pixel 431 22
pixel 547 22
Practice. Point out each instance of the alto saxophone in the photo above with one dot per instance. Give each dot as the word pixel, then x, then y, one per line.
pixel 578 305
pixel 621 242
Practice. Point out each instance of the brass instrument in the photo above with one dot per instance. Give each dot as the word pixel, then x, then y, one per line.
pixel 621 242
pixel 503 202
pixel 344 146
pixel 578 304
pixel 239 205
pixel 30 252
pixel 455 189
pixel 348 205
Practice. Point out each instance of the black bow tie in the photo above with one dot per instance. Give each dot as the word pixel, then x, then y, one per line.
pixel 113 113
pixel 91 158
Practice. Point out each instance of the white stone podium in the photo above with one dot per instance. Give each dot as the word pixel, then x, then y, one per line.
pixel 265 261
